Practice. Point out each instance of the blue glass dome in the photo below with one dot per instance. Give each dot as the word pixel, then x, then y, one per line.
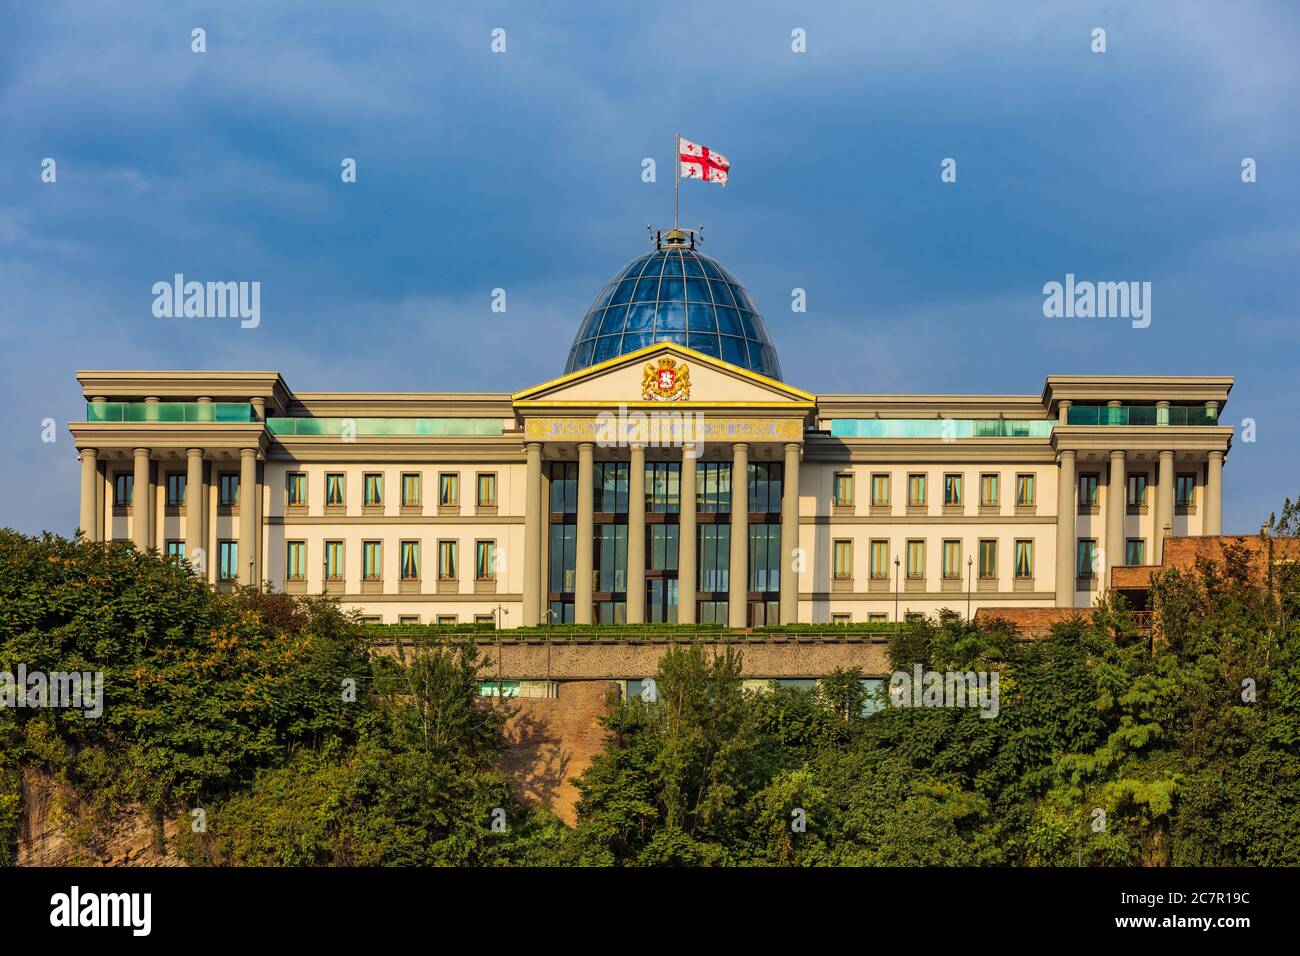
pixel 675 294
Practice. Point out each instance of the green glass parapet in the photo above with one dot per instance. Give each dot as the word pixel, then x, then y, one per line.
pixel 941 428
pixel 1141 415
pixel 386 427
pixel 169 412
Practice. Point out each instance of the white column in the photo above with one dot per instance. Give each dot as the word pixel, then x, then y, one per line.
pixel 1212 523
pixel 738 571
pixel 1065 531
pixel 89 524
pixel 636 537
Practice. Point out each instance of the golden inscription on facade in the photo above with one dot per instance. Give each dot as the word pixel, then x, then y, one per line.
pixel 661 428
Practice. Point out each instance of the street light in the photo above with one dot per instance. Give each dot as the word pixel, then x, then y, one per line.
pixel 897 565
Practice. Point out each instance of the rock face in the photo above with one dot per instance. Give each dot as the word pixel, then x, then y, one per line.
pixel 551 741
pixel 58 831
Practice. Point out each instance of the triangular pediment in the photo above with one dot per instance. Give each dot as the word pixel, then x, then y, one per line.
pixel 664 374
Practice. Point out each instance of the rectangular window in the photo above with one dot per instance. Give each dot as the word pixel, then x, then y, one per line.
pixel 661 547
pixel 764 487
pixel 408 619
pixel 563 561
pixel 487 619
pixel 372 489
pixel 410 560
pixel 176 489
pixel 880 558
pixel 228 489
pixel 1135 551
pixel 564 487
pixel 123 488
pixel 875 617
pixel 713 557
pixel 372 560
pixel 1024 491
pixel 448 561
pixel 610 482
pixel 713 487
pixel 334 560
pixel 334 489
pixel 952 559
pixel 916 491
pixel 445 619
pixel 843 560
pixel 951 490
pixel 1024 558
pixel 1184 489
pixel 1088 490
pixel 295 489
pixel 449 490
pixel 988 558
pixel 663 487
pixel 844 489
pixel 227 560
pixel 411 489
pixel 1137 490
pixel 916 558
pixel 841 618
pixel 487 490
pixel 1087 558
pixel 485 560
pixel 880 490
pixel 609 558
pixel 989 492
pixel 176 550
pixel 295 561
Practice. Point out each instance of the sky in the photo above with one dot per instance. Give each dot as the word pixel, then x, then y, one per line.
pixel 522 170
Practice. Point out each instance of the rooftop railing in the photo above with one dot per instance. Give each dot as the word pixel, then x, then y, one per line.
pixel 941 428
pixel 169 412
pixel 1141 415
pixel 385 427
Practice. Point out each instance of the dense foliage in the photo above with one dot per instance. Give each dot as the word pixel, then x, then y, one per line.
pixel 303 745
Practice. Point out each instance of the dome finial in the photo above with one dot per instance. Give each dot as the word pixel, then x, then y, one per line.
pixel 677 238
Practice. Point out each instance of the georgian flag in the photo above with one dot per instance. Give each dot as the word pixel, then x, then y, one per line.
pixel 700 162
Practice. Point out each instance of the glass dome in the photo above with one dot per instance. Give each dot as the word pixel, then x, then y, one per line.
pixel 675 294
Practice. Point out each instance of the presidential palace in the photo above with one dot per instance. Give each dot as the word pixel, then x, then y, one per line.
pixel 669 474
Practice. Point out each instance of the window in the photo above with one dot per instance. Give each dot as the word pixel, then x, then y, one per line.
pixel 880 558
pixel 765 487
pixel 1024 558
pixel 916 558
pixel 844 489
pixel 952 559
pixel 988 558
pixel 1087 558
pixel 1025 491
pixel 609 558
pixel 564 487
pixel 227 560
pixel 563 561
pixel 1184 489
pixel 713 487
pixel 841 618
pixel 1137 490
pixel 372 560
pixel 485 560
pixel 449 490
pixel 447 560
pixel 176 550
pixel 610 482
pixel 486 496
pixel 915 491
pixel 408 619
pixel 334 560
pixel 295 489
pixel 372 489
pixel 410 560
pixel 952 491
pixel 661 547
pixel 1135 551
pixel 663 487
pixel 876 617
pixel 880 491
pixel 228 489
pixel 295 561
pixel 334 489
pixel 411 489
pixel 1088 490
pixel 372 619
pixel 843 560
pixel 175 489
pixel 446 619
pixel 714 558
pixel 989 497
pixel 484 619
pixel 123 487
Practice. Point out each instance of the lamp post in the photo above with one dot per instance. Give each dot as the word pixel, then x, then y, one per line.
pixel 897 565
pixel 970 563
pixel 497 615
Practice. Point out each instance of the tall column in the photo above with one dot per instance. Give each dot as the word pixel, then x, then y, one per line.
pixel 585 565
pixel 1164 503
pixel 247 515
pixel 687 573
pixel 532 533
pixel 195 500
pixel 1065 524
pixel 1116 506
pixel 789 578
pixel 1212 523
pixel 738 570
pixel 141 500
pixel 636 537
pixel 89 524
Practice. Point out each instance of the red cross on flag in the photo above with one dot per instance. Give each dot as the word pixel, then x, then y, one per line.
pixel 700 162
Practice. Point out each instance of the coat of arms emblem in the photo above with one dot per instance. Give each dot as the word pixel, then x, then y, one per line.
pixel 666 381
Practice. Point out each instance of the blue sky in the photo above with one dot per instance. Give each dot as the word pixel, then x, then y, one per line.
pixel 522 171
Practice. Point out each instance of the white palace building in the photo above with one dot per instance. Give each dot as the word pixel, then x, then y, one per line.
pixel 668 475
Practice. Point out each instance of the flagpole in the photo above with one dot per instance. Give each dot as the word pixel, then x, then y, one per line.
pixel 677 173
